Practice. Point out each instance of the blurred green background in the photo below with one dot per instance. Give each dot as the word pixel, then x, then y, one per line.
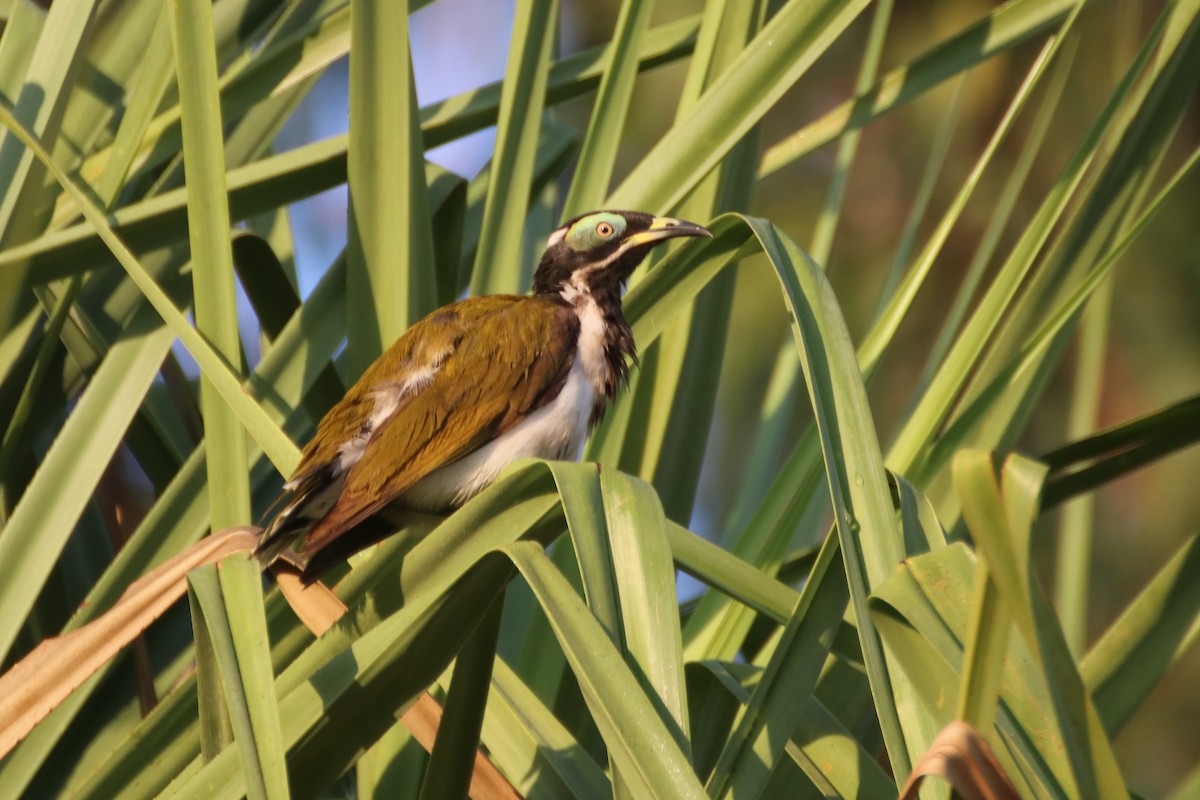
pixel 910 164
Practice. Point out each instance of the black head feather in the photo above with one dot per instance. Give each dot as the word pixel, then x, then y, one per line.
pixel 598 251
pixel 587 262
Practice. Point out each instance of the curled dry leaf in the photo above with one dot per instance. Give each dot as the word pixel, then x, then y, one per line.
pixel 43 679
pixel 316 606
pixel 39 682
pixel 964 759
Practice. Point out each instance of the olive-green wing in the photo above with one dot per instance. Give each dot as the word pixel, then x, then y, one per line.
pixel 425 345
pixel 507 360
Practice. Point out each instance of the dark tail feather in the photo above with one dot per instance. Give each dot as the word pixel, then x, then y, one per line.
pixel 278 537
pixel 306 501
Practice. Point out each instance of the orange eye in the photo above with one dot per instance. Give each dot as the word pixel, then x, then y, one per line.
pixel 604 229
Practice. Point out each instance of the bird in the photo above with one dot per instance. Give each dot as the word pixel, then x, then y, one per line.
pixel 467 390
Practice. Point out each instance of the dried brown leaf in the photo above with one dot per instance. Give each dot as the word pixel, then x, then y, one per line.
pixel 44 678
pixel 964 759
pixel 39 682
pixel 314 603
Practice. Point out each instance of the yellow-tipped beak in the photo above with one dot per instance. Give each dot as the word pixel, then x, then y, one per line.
pixel 666 228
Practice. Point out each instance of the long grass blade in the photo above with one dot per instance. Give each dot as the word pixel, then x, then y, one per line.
pixel 273 441
pixel 212 255
pixel 391 281
pixel 603 138
pixel 1000 30
pixel 497 268
pixel 780 53
pixel 50 507
pixel 640 744
pixel 1152 632
pixel 999 511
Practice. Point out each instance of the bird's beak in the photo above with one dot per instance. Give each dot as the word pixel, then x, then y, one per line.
pixel 666 228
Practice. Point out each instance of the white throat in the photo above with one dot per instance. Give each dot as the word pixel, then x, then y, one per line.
pixel 590 348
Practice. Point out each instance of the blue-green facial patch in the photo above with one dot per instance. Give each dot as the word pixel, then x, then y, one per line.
pixel 595 230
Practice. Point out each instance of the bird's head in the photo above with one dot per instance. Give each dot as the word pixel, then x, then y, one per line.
pixel 597 252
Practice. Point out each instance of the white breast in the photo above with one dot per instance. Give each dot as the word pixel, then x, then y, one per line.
pixel 556 431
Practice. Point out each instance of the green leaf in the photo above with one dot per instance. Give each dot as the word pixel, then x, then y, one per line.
pixel 212 257
pixel 644 577
pixel 1002 29
pixel 598 155
pixel 278 447
pixel 897 305
pixel 1152 632
pixel 778 702
pixel 643 749
pixel 732 576
pixel 311 169
pixel 1000 517
pixel 231 606
pixel 521 103
pixel 42 521
pixel 154 75
pixel 38 104
pixel 907 453
pixel 822 241
pixel 677 384
pixel 768 66
pixel 453 758
pixel 537 753
pixel 391 281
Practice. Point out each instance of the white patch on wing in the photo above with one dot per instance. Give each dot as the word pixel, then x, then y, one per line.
pixel 417 380
pixel 556 430
pixel 387 399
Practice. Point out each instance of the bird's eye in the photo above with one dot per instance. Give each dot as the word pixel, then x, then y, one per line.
pixel 604 229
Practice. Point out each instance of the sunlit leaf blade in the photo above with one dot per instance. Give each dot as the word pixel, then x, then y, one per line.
pixel 586 699
pixel 521 102
pixel 906 453
pixel 1003 28
pixel 212 257
pixel 313 168
pixel 897 304
pixel 644 576
pixel 532 747
pixel 923 614
pixel 449 769
pixel 603 137
pixel 279 448
pixel 39 104
pixel 999 511
pixel 833 759
pixel 153 77
pixel 644 751
pixel 677 385
pixel 778 701
pixel 230 604
pixel 42 521
pixel 390 277
pixel 1153 631
pixel 777 57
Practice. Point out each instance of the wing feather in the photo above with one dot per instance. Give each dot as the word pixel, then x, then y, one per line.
pixel 510 356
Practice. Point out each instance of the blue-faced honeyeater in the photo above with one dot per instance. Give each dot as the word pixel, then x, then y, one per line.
pixel 472 387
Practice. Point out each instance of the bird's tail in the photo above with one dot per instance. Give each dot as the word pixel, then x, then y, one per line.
pixel 306 500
